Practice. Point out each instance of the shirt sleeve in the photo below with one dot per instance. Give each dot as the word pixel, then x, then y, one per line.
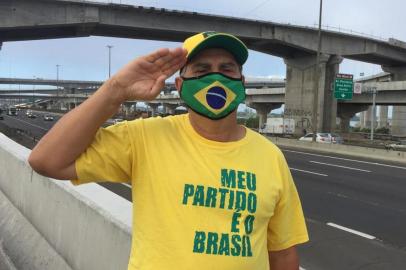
pixel 108 158
pixel 287 226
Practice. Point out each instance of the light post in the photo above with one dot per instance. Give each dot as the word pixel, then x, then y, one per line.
pixel 33 94
pixel 316 89
pixel 373 113
pixel 57 80
pixel 109 47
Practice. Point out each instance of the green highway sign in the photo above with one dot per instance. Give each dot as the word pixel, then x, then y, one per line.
pixel 343 86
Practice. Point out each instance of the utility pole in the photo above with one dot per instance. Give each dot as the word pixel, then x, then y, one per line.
pixel 109 47
pixel 316 88
pixel 57 80
pixel 373 112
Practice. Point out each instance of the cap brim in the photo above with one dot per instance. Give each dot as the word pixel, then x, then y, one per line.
pixel 223 41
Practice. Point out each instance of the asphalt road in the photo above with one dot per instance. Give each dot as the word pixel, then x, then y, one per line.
pixel 355 211
pixel 34 127
pixel 355 208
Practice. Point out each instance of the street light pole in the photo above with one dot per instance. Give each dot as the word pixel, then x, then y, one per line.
pixel 109 47
pixel 373 113
pixel 316 88
pixel 57 80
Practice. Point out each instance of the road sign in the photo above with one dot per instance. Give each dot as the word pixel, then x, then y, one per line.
pixel 343 86
pixel 357 88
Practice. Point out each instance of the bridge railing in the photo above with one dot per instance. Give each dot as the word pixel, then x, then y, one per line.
pixel 84 228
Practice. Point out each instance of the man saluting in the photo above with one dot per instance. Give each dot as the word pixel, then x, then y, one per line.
pixel 208 193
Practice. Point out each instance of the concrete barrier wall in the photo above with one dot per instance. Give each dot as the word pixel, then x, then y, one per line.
pixel 356 151
pixel 88 226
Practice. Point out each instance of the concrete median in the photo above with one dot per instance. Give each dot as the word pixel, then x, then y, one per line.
pixel 85 227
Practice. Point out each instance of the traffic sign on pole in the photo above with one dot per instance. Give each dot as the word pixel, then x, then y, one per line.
pixel 357 88
pixel 343 86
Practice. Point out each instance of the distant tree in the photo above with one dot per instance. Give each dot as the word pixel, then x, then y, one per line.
pixel 382 130
pixel 252 122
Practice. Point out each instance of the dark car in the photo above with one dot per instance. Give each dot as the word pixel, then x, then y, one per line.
pixel 1 117
pixel 31 115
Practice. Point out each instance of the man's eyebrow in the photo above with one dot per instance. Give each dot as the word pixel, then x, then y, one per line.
pixel 229 64
pixel 200 65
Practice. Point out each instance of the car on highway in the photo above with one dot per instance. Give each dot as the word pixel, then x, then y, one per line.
pixel 1 117
pixel 401 145
pixel 48 117
pixel 335 138
pixel 12 111
pixel 117 120
pixel 320 137
pixel 31 115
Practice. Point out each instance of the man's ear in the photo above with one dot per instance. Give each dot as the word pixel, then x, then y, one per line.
pixel 178 83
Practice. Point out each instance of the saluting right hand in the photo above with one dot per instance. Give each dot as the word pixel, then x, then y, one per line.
pixel 144 77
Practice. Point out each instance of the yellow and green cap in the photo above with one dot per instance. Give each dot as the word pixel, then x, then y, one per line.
pixel 211 39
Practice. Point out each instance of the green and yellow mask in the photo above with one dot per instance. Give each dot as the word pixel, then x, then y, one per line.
pixel 212 95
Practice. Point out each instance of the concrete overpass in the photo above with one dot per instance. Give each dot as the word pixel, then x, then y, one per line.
pixel 26 20
pixel 266 99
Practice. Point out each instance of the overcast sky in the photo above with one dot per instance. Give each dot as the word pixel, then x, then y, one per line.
pixel 87 58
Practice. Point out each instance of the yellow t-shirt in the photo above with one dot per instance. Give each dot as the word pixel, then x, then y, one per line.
pixel 198 204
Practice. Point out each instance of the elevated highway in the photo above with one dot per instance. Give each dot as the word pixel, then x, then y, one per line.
pixel 44 19
pixel 273 96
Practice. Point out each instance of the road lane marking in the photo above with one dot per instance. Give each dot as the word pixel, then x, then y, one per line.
pixel 321 174
pixel 127 185
pixel 340 166
pixel 301 268
pixel 351 231
pixel 29 123
pixel 347 159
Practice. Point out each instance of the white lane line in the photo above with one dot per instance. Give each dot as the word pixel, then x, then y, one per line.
pixel 294 169
pixel 29 123
pixel 335 165
pixel 347 159
pixel 127 185
pixel 301 268
pixel 351 231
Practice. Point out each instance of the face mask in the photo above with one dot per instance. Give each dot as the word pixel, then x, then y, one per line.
pixel 212 95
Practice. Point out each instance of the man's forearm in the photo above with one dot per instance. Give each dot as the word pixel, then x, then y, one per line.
pixel 287 259
pixel 74 132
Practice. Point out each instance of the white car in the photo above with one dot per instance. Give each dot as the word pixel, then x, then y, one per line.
pixel 117 120
pixel 48 117
pixel 335 138
pixel 320 137
pixel 397 146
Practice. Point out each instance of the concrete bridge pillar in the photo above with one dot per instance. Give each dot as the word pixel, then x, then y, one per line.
pixel 362 120
pixel 399 121
pixel 367 117
pixel 262 110
pixel 300 86
pixel 383 116
pixel 170 108
pixel 347 111
pixel 399 112
pixel 154 108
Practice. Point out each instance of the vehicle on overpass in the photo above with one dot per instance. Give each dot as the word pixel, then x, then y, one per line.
pixel 278 125
pixel 320 137
pixel 401 145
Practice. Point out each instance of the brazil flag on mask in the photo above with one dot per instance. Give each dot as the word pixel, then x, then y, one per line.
pixel 213 95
